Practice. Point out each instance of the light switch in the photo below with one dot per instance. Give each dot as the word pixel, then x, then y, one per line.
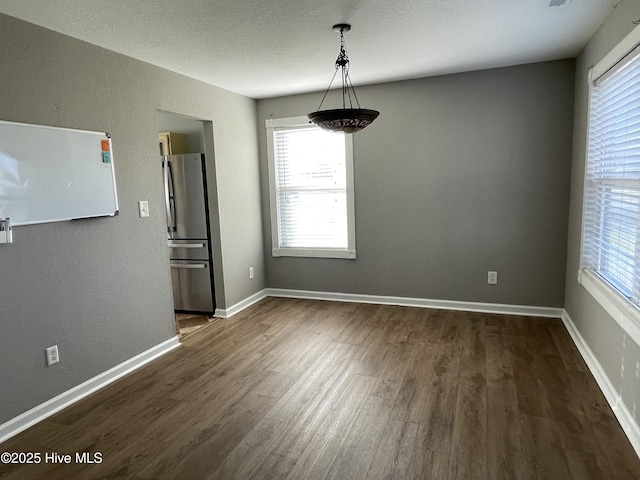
pixel 143 206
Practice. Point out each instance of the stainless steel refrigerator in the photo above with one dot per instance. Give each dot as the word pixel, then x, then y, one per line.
pixel 189 233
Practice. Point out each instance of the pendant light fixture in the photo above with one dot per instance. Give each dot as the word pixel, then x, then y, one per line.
pixel 346 119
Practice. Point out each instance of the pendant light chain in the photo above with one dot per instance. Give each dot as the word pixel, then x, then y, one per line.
pixel 343 59
pixel 342 63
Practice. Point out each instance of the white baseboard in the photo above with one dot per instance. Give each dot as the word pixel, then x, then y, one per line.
pixel 54 405
pixel 238 307
pixel 419 302
pixel 525 310
pixel 622 413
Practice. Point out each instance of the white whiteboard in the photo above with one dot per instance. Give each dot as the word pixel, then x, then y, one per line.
pixel 51 174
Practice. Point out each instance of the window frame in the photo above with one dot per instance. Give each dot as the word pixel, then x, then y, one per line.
pixel 278 251
pixel 614 302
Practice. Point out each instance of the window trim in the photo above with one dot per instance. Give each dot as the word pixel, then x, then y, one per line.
pixel 276 250
pixel 621 310
pixel 625 313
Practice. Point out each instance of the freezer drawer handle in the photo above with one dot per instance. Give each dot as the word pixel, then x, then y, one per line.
pixel 189 265
pixel 186 245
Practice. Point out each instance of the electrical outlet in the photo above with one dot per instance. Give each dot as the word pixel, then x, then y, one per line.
pixel 250 272
pixel 52 355
pixel 492 278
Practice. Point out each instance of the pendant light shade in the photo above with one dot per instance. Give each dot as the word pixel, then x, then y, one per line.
pixel 348 119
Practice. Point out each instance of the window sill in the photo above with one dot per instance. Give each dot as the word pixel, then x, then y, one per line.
pixel 621 310
pixel 314 252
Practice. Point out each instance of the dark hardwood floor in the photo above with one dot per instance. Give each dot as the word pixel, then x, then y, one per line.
pixel 302 389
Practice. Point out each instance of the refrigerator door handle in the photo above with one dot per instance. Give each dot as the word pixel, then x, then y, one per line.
pixel 167 204
pixel 172 199
pixel 190 266
pixel 186 245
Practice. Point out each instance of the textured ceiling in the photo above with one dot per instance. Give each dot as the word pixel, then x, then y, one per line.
pixel 266 48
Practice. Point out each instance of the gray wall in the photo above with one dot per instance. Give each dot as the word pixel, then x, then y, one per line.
pixel 459 175
pixel 615 351
pixel 100 289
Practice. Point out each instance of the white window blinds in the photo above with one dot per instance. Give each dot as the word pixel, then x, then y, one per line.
pixel 611 237
pixel 311 190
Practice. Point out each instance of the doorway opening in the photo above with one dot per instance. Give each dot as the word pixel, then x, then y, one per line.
pixel 185 157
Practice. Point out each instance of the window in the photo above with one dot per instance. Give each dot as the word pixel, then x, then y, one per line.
pixel 311 190
pixel 610 266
